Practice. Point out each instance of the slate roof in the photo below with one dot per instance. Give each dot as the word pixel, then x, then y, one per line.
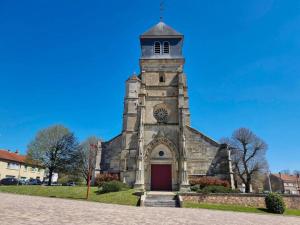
pixel 161 29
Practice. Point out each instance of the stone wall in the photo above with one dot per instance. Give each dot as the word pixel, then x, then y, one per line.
pixel 204 156
pixel 250 200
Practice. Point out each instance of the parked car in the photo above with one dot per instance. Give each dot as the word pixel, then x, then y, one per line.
pixel 71 183
pixel 22 182
pixel 34 182
pixel 55 184
pixel 9 181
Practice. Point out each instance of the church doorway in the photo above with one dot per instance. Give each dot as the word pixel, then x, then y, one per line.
pixel 161 177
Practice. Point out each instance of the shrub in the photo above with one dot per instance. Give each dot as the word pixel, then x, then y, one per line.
pixel 275 203
pixel 113 186
pixel 216 189
pixel 195 188
pixel 208 181
pixel 100 179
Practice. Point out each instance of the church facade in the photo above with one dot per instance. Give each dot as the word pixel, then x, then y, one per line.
pixel 157 148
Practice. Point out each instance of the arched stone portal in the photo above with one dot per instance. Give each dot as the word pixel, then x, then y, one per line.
pixel 161 165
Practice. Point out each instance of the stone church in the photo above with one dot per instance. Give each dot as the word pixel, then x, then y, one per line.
pixel 157 148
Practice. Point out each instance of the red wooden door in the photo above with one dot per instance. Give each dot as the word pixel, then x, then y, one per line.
pixel 161 177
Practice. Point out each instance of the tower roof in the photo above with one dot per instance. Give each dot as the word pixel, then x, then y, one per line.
pixel 161 29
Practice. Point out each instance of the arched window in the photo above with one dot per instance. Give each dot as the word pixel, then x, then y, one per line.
pixel 166 47
pixel 156 47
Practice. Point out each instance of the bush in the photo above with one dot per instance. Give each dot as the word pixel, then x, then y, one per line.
pixel 275 203
pixel 113 186
pixel 100 179
pixel 208 181
pixel 195 188
pixel 216 189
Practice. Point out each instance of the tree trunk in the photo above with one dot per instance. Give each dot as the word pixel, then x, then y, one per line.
pixel 247 186
pixel 50 177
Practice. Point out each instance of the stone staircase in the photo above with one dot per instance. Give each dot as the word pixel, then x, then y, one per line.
pixel 161 199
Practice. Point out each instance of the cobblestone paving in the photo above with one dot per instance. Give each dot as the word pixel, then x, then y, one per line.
pixel 21 209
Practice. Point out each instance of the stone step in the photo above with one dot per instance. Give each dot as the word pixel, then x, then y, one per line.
pixel 163 197
pixel 160 204
pixel 168 206
pixel 161 201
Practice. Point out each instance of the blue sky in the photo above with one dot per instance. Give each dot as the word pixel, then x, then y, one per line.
pixel 66 62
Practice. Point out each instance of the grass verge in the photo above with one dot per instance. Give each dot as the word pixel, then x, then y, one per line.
pixel 122 197
pixel 236 208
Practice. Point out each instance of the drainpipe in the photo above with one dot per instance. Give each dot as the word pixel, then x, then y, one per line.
pixel 19 174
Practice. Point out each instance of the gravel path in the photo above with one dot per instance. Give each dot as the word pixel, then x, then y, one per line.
pixel 21 209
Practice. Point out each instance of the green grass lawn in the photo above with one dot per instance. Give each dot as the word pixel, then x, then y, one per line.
pixel 122 197
pixel 235 208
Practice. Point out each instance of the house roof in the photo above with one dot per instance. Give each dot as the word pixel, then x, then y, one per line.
pixel 161 29
pixel 15 157
pixel 287 178
pixel 12 156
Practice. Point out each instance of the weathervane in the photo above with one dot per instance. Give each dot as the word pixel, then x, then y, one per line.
pixel 161 9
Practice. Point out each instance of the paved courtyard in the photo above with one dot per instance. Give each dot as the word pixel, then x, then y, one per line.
pixel 21 209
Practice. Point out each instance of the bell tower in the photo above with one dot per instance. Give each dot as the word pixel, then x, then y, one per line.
pixel 158 149
pixel 163 104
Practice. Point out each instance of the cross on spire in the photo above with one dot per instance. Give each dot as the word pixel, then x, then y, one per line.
pixel 161 10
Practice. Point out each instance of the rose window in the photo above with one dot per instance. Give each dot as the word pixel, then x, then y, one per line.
pixel 161 115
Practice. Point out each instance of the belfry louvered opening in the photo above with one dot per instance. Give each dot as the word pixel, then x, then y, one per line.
pixel 166 47
pixel 157 47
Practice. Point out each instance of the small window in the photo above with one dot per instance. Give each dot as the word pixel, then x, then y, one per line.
pixel 156 47
pixel 166 47
pixel 161 77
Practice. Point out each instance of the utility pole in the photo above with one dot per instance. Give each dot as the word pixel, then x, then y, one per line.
pixel 298 187
pixel 270 186
pixel 90 167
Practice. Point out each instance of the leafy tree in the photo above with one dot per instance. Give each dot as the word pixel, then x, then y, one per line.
pixel 87 155
pixel 248 155
pixel 55 148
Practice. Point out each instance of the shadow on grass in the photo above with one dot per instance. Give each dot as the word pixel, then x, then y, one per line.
pixel 101 192
pixel 264 210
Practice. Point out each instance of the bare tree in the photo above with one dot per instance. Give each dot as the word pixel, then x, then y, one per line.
pixel 54 147
pixel 248 155
pixel 286 172
pixel 87 154
pixel 296 173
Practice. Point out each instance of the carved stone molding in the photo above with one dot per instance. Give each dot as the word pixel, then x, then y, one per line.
pixel 157 141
